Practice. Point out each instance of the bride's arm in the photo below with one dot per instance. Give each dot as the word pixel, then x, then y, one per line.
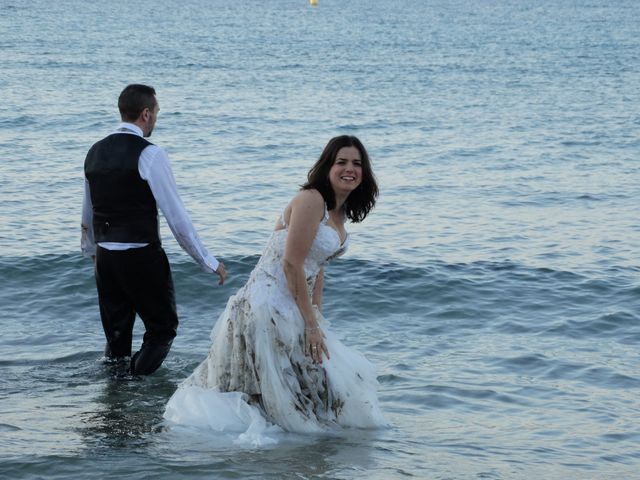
pixel 306 212
pixel 317 290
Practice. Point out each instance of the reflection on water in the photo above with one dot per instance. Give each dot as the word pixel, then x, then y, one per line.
pixel 294 456
pixel 126 412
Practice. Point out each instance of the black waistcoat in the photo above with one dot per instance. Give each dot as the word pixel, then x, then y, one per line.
pixel 124 209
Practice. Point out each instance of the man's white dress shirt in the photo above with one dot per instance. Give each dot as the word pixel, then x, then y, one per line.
pixel 153 167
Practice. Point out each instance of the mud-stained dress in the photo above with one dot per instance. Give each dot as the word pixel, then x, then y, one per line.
pixel 256 364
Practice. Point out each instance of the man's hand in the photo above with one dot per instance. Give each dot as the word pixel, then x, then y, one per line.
pixel 222 273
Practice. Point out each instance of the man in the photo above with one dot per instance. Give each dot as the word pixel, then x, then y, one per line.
pixel 126 179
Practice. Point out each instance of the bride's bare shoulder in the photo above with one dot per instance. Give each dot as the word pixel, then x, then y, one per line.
pixel 311 198
pixel 307 203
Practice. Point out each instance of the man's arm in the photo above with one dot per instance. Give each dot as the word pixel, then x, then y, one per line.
pixel 154 167
pixel 87 241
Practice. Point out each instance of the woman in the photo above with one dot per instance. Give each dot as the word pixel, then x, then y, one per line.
pixel 271 345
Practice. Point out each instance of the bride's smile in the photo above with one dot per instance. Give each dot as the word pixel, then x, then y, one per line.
pixel 346 172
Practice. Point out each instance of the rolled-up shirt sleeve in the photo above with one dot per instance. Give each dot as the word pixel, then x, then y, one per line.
pixel 87 241
pixel 154 167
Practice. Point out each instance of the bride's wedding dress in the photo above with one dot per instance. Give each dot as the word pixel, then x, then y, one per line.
pixel 256 371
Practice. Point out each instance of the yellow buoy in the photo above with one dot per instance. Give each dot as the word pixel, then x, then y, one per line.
pixel 313 3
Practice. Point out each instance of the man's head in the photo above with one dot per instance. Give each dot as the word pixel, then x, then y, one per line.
pixel 137 104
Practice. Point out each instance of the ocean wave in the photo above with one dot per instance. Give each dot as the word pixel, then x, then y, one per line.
pixel 435 298
pixel 70 358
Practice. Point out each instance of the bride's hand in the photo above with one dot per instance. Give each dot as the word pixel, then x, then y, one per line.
pixel 314 344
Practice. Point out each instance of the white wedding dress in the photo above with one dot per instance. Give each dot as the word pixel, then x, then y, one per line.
pixel 256 375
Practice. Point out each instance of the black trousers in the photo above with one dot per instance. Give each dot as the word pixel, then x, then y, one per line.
pixel 137 280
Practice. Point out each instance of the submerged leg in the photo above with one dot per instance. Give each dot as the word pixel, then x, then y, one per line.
pixel 149 358
pixel 117 311
pixel 154 297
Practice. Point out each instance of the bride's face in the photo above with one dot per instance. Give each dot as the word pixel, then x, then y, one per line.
pixel 346 172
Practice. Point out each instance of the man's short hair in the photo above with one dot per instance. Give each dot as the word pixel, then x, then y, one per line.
pixel 134 99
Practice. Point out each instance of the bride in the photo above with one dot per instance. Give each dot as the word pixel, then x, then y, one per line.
pixel 272 354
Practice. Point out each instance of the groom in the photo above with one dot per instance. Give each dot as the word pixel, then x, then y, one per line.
pixel 126 179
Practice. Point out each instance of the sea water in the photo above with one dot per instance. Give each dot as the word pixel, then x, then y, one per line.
pixel 495 285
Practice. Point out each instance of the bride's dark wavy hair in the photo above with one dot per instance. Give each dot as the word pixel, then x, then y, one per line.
pixel 359 202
